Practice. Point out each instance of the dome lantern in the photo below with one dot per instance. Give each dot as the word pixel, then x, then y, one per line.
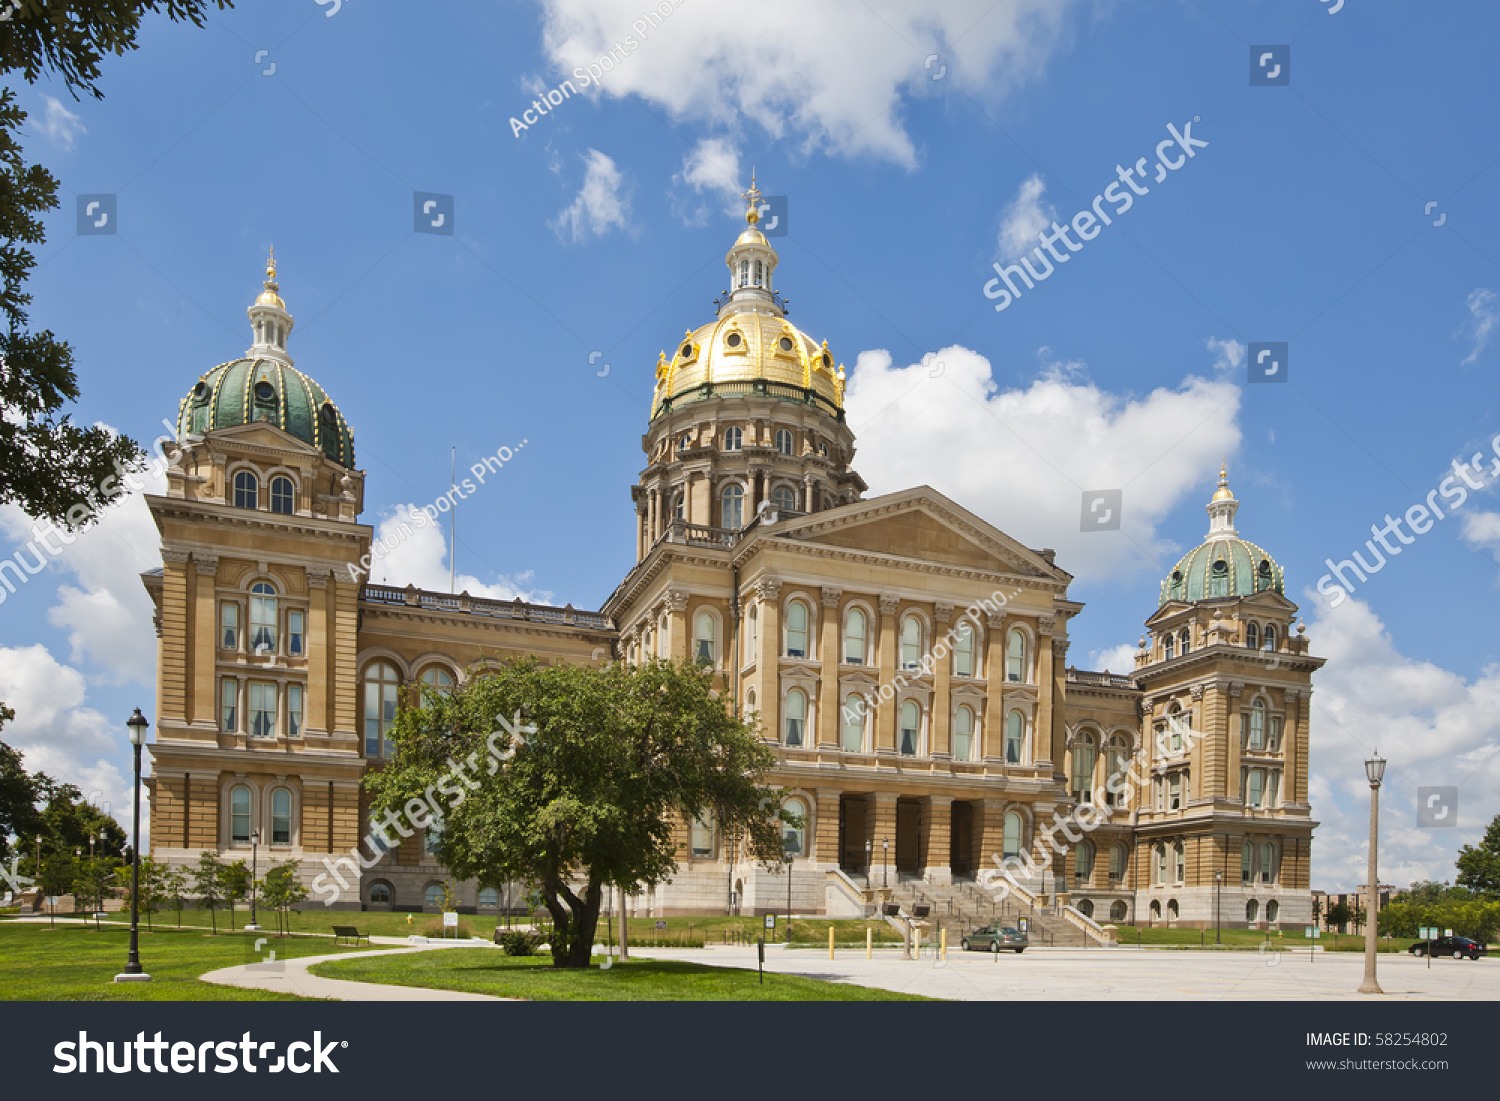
pixel 270 324
pixel 752 263
pixel 1224 565
pixel 1222 507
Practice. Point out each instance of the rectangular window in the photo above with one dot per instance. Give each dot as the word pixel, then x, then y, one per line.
pixel 262 710
pixel 294 633
pixel 1255 791
pixel 432 836
pixel 229 634
pixel 703 837
pixel 263 624
pixel 1273 787
pixel 1276 734
pixel 380 841
pixel 294 711
pixel 1174 791
pixel 229 694
pixel 1116 862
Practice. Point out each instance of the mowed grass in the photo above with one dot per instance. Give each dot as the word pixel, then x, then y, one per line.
pixel 485 971
pixel 76 963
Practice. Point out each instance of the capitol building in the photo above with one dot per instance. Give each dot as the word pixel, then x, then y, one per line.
pixel 907 659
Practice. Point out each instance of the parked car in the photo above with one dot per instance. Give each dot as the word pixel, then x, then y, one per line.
pixel 1457 947
pixel 986 939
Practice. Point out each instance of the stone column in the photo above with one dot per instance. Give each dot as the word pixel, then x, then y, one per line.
pixel 1294 745
pixel 768 661
pixel 204 636
pixel 678 641
pixel 1041 734
pixel 1227 760
pixel 176 658
pixel 825 847
pixel 315 707
pixel 880 826
pixel 989 832
pixel 807 487
pixel 885 711
pixel 1058 690
pixel 937 838
pixel 994 680
pixel 828 689
pixel 940 744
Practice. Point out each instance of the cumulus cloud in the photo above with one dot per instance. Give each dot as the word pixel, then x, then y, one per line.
pixel 60 125
pixel 1484 314
pixel 708 183
pixel 831 75
pixel 414 551
pixel 1022 458
pixel 1229 354
pixel 1024 218
pixel 603 203
pixel 1119 660
pixel 1436 729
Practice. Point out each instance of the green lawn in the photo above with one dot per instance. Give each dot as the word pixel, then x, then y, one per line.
pixel 485 971
pixel 75 963
pixel 321 922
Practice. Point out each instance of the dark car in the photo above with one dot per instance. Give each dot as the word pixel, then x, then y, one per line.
pixel 987 939
pixel 1457 947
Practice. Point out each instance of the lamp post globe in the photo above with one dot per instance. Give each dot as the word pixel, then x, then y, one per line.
pixel 1374 773
pixel 137 725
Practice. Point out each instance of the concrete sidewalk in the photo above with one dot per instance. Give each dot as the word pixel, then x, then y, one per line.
pixel 292 977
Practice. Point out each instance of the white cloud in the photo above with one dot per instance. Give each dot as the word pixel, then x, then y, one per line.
pixel 1229 354
pixel 712 168
pixel 832 73
pixel 1434 727
pixel 601 204
pixel 1484 314
pixel 1026 216
pixel 1119 660
pixel 58 123
pixel 1022 458
pixel 418 555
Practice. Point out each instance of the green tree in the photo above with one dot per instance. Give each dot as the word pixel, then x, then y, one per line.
pixel 71 823
pixel 234 882
pixel 174 885
pixel 1339 915
pixel 151 886
pixel 93 885
pixel 281 890
pixel 208 885
pixel 56 877
pixel 1479 865
pixel 620 756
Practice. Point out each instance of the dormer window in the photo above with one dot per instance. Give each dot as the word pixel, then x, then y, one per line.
pixel 1263 576
pixel 1218 579
pixel 733 340
pixel 686 351
pixel 785 344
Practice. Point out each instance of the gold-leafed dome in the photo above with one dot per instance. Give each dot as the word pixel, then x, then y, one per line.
pixel 746 354
pixel 1223 492
pixel 269 297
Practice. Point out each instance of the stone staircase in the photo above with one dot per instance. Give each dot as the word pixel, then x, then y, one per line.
pixel 963 906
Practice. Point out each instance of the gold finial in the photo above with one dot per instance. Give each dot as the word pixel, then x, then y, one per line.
pixel 271 265
pixel 1223 492
pixel 269 297
pixel 753 197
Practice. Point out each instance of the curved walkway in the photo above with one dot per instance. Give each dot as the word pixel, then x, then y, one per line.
pixel 292 977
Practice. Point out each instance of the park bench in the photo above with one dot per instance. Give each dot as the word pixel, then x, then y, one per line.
pixel 350 933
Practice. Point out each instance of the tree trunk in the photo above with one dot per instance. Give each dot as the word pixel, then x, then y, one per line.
pixel 624 930
pixel 574 921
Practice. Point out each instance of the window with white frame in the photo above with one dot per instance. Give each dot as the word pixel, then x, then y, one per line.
pixel 229 625
pixel 1252 636
pixel 732 508
pixel 734 439
pixel 1161 865
pixel 1270 637
pixel 911 642
pixel 784 499
pixel 1184 640
pixel 854 637
pixel 703 836
pixel 794 827
pixel 437 679
pixel 239 815
pixel 1168 647
pixel 262 710
pixel 1255 787
pixel 246 490
pixel 283 496
pixel 853 735
pixel 229 697
pixel 382 683
pixel 963 649
pixel 1174 791
pixel 705 640
pixel 1273 787
pixel 296 636
pixel 1179 862
pixel 1015 656
pixel 754 627
pixel 796 717
pixel 796 629
pixel 1256 725
pixel 1083 860
pixel 1015 729
pixel 783 441
pixel 1175 723
pixel 963 734
pixel 1083 768
pixel 1011 842
pixel 911 728
pixel 1268 862
pixel 1273 740
pixel 294 711
pixel 281 817
pixel 1115 756
pixel 262 618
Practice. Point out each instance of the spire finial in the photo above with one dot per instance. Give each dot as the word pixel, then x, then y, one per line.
pixel 753 197
pixel 271 264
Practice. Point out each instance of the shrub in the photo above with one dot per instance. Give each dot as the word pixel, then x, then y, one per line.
pixel 518 942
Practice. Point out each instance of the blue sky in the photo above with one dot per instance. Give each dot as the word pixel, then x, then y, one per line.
pixel 602 228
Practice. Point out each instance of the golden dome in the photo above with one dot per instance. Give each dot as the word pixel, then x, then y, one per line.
pixel 748 354
pixel 1223 493
pixel 269 297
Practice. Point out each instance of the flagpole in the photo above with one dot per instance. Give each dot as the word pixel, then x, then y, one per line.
pixel 452 514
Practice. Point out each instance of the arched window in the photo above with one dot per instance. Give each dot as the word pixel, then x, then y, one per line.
pixel 963 734
pixel 1117 862
pixel 796 716
pixel 758 269
pixel 282 496
pixel 754 631
pixel 750 702
pixel 911 727
pixel 1083 860
pixel 1086 907
pixel 246 490
pixel 744 273
pixel 1252 910
pixel 433 895
pixel 705 644
pixel 262 618
pixel 783 441
pixel 1252 636
pixel 281 817
pixel 796 629
pixel 1218 579
pixel 1263 580
pixel 1174 728
pixel 734 438
pixel 784 499
pixel 732 510
pixel 911 642
pixel 489 898
pixel 1083 768
pixel 678 505
pixel 1257 721
pixel 1161 864
pixel 1247 860
pixel 854 637
pixel 1015 656
pixel 1168 648
pixel 1185 640
pixel 239 815
pixel 380 894
pixel 1155 910
pixel 1179 862
pixel 794 837
pixel 1273 911
pixel 1014 731
pixel 963 650
pixel 1172 910
pixel 1270 637
pixel 381 685
pixel 1115 756
pixel 703 836
pixel 1012 834
pixel 853 736
pixel 432 836
pixel 1117 911
pixel 438 679
pixel 1268 862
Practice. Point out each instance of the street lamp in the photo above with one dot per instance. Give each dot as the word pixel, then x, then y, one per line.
pixel 869 862
pixel 791 851
pixel 1218 910
pixel 254 844
pixel 137 725
pixel 1374 771
pixel 885 861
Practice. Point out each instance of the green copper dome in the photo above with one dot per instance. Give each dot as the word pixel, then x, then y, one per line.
pixel 1222 567
pixel 247 390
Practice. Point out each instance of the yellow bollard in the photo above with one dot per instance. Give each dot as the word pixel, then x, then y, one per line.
pixel 830 942
pixel 916 936
pixel 943 942
pixel 869 940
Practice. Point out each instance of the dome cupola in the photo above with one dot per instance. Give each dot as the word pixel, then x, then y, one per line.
pixel 1224 565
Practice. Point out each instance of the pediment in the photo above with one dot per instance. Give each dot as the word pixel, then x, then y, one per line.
pixel 264 434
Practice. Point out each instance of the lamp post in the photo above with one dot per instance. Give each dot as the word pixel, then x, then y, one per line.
pixel 1374 772
pixel 1218 910
pixel 790 852
pixel 869 861
pixel 254 846
pixel 137 725
pixel 885 861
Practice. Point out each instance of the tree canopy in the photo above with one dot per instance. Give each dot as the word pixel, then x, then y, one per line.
pixel 1479 865
pixel 620 758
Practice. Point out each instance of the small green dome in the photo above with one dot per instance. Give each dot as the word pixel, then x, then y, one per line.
pixel 247 390
pixel 1223 567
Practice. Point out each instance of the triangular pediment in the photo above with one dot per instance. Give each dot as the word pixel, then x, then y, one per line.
pixel 264 434
pixel 923 525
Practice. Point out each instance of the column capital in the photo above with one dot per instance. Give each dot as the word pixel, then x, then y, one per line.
pixel 768 588
pixel 889 602
pixel 1196 691
pixel 1235 688
pixel 677 600
pixel 174 557
pixel 832 596
pixel 995 621
pixel 205 563
pixel 317 579
pixel 1046 624
pixel 1060 647
pixel 943 612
